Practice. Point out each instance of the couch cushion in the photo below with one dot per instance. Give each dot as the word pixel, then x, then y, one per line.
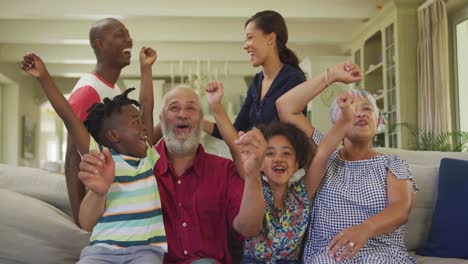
pixel 449 231
pixel 419 221
pixel 33 231
pixel 40 184
pixel 435 260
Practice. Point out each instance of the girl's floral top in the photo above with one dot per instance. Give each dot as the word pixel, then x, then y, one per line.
pixel 283 229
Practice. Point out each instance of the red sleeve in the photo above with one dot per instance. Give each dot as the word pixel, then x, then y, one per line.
pixel 234 193
pixel 82 99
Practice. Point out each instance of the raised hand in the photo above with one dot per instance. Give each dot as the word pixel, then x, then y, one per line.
pixel 33 65
pixel 97 171
pixel 147 56
pixel 348 108
pixel 252 147
pixel 346 72
pixel 214 93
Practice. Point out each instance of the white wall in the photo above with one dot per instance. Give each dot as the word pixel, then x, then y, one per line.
pixel 19 100
pixel 319 107
pixel 10 122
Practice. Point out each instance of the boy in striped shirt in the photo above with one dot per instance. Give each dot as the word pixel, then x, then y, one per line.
pixel 123 212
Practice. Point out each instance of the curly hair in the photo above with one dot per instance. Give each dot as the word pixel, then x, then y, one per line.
pixel 301 144
pixel 100 112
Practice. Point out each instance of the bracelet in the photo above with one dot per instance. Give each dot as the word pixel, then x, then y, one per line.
pixel 326 78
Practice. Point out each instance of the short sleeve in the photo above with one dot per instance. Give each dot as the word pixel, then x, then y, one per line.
pixel 399 167
pixel 317 137
pixel 82 99
pixel 152 154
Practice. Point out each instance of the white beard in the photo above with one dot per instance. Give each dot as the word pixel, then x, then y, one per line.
pixel 177 146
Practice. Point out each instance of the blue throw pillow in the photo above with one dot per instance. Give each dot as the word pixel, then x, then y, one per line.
pixel 448 235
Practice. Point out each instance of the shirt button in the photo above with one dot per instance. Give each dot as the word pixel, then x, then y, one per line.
pixel 184 224
pixel 179 204
pixel 185 252
pixel 179 181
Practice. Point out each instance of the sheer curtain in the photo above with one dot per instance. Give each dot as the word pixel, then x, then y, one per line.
pixel 433 75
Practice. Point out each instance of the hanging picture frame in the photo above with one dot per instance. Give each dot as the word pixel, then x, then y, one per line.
pixel 27 138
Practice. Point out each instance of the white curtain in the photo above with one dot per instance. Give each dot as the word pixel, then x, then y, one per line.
pixel 433 74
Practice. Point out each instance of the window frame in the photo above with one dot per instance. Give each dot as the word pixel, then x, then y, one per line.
pixel 456 18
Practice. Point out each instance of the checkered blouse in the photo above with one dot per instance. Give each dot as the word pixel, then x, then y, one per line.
pixel 350 193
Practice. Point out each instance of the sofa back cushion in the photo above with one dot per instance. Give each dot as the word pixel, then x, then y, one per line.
pixel 424 166
pixel 40 184
pixel 419 221
pixel 33 231
pixel 449 230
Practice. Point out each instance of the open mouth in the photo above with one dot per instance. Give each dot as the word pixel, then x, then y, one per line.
pixel 279 169
pixel 182 128
pixel 127 51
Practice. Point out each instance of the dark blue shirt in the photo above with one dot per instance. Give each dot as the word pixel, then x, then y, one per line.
pixel 254 111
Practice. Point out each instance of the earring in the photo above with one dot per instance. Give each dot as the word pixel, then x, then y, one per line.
pixel 269 42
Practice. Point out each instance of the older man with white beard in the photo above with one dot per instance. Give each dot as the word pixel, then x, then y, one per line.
pixel 201 194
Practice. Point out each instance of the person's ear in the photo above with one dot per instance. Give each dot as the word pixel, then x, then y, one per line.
pixel 112 136
pixel 98 44
pixel 271 38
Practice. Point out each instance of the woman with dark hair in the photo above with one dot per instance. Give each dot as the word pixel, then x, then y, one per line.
pixel 266 38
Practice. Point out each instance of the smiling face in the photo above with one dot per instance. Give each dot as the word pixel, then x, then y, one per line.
pixel 280 163
pixel 113 43
pixel 181 119
pixel 257 44
pixel 127 133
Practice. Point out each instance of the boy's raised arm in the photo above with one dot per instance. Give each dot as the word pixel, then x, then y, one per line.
pixel 34 66
pixel 147 57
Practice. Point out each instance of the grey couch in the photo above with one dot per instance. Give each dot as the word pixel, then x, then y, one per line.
pixel 36 227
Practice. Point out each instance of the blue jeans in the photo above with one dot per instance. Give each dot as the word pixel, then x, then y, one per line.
pixel 130 255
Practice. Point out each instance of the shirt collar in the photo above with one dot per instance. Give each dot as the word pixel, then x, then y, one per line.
pixel 164 162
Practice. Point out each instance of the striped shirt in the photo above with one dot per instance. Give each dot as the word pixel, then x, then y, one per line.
pixel 133 215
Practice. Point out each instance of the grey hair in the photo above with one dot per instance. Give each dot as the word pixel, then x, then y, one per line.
pixel 335 109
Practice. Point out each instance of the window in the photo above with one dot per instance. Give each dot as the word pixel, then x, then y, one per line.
pixel 459 29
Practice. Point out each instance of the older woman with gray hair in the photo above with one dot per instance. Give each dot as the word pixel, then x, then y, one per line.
pixel 365 197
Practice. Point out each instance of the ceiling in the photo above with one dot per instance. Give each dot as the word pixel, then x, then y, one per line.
pixel 183 32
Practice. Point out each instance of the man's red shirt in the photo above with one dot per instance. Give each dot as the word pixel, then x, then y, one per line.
pixel 199 206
